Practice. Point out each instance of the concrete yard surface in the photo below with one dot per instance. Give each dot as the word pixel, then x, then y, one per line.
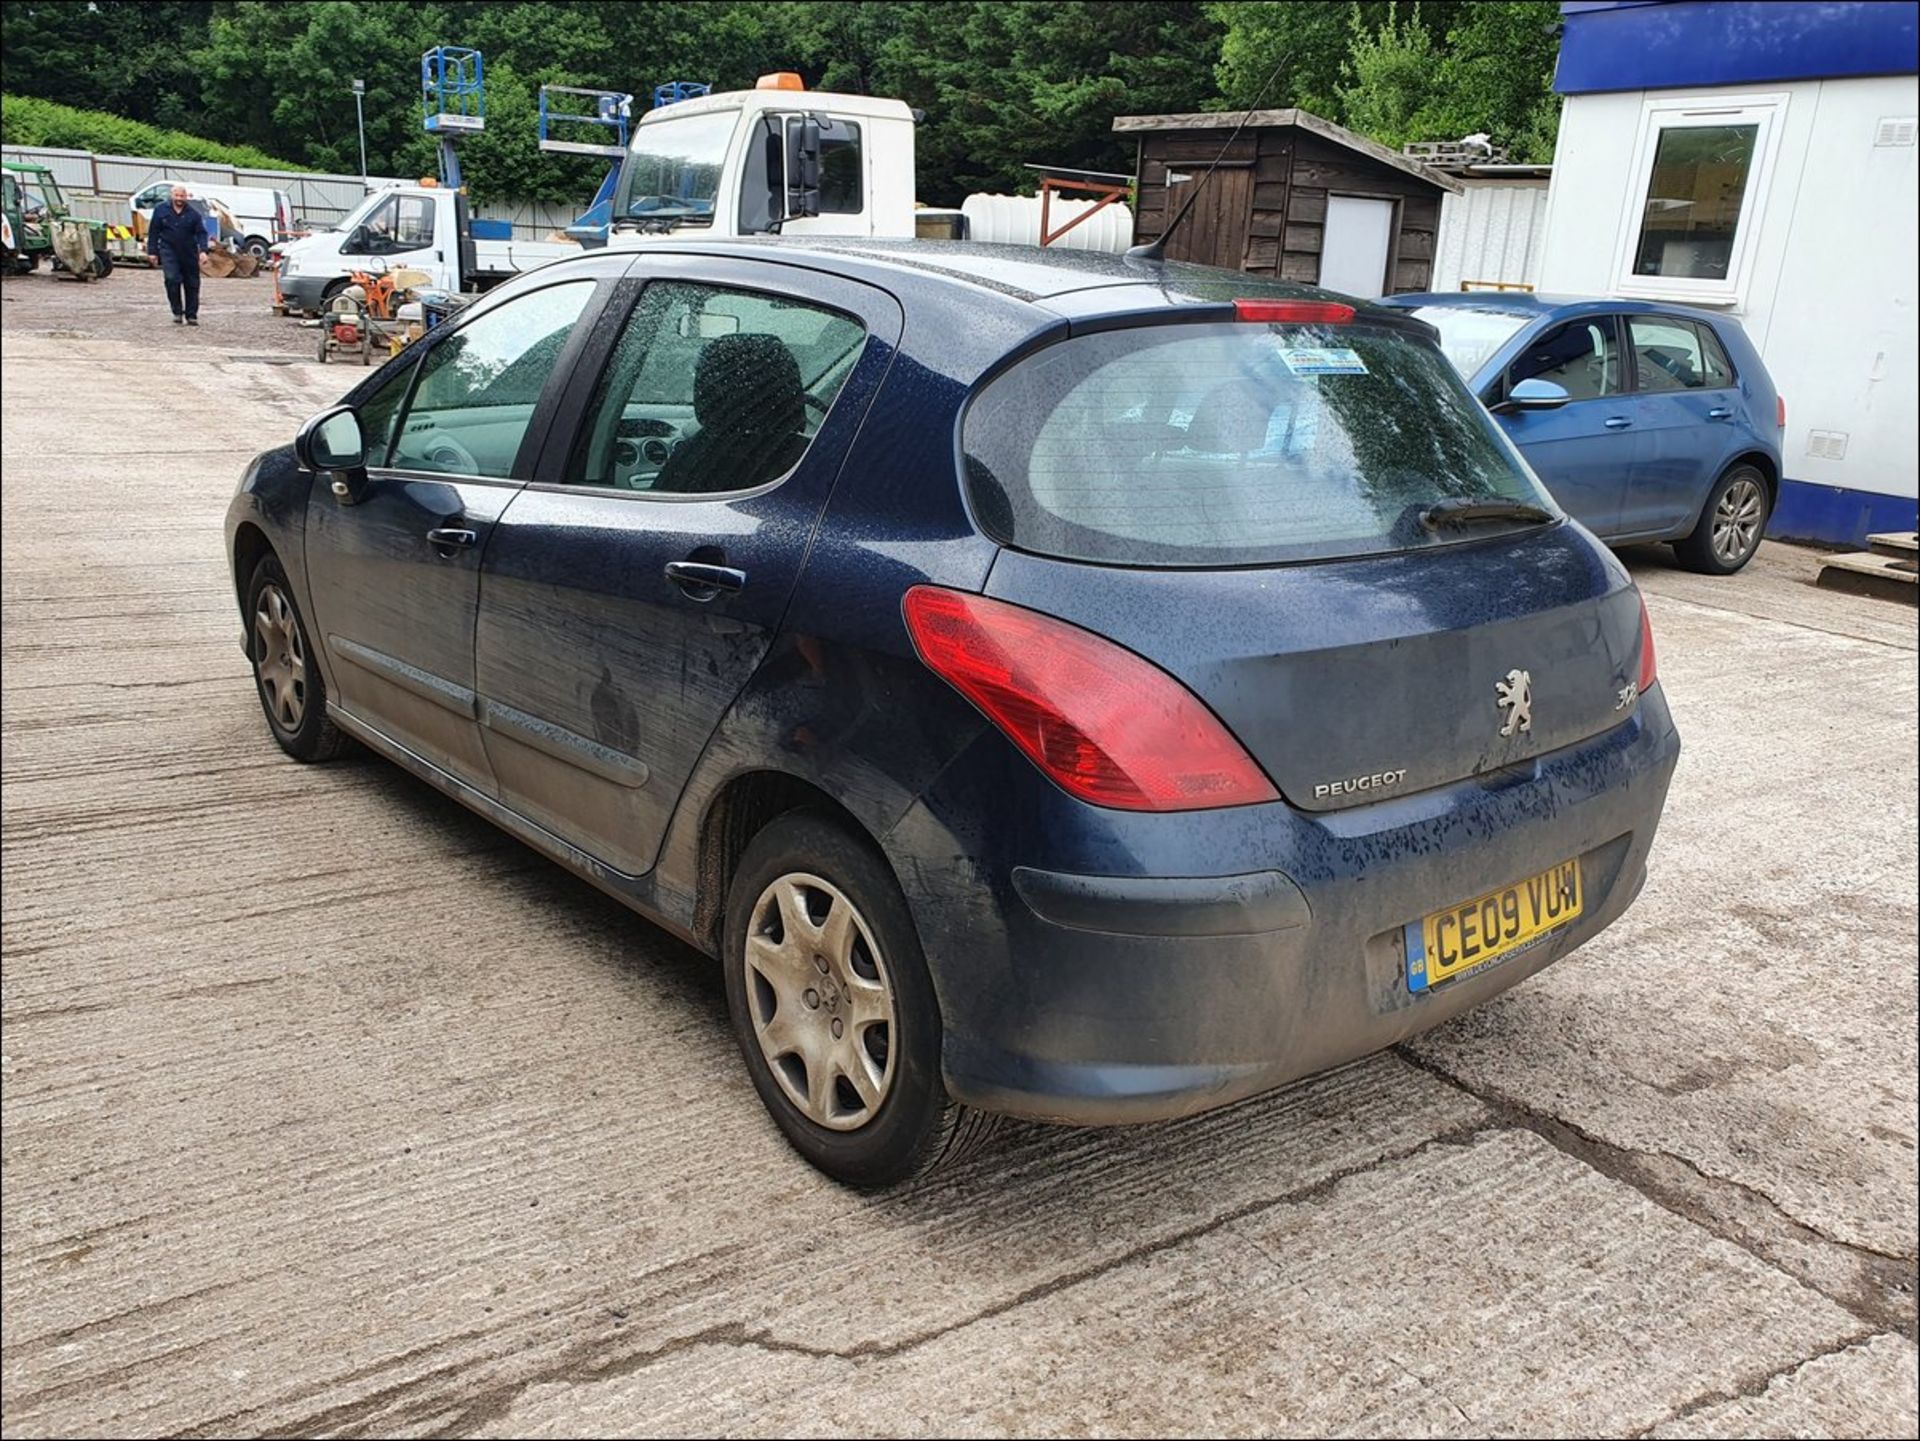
pixel 329 1109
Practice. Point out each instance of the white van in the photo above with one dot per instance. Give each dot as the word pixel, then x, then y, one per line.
pixel 262 215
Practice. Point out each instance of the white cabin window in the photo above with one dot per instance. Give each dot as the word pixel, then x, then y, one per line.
pixel 1700 176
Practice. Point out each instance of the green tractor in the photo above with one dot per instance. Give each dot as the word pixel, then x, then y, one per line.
pixel 38 223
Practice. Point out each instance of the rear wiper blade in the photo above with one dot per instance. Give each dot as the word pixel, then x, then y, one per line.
pixel 1465 510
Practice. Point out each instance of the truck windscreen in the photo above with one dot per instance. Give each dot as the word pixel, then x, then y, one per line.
pixel 672 171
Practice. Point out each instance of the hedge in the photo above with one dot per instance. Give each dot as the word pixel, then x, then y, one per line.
pixel 26 121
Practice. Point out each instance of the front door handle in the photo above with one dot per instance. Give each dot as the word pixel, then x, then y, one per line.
pixel 1617 422
pixel 700 581
pixel 446 539
pixel 1720 412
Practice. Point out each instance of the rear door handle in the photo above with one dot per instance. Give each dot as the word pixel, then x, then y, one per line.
pixel 1617 422
pixel 1720 412
pixel 700 581
pixel 447 539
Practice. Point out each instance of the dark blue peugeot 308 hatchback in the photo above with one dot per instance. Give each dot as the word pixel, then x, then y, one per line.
pixel 1070 687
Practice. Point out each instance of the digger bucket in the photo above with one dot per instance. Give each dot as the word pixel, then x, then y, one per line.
pixel 217 263
pixel 73 245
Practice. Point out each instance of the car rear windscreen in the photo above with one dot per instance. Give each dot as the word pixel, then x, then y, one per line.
pixel 1232 444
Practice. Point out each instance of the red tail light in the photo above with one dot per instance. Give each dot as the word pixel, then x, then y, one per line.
pixel 1294 312
pixel 1780 411
pixel 1649 671
pixel 1105 725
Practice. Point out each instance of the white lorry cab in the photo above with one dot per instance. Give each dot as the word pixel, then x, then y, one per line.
pixel 775 160
pixel 408 227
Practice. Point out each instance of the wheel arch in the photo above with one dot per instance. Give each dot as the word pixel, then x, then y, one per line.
pixel 250 547
pixel 739 810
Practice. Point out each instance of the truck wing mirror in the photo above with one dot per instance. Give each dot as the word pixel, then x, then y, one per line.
pixel 803 167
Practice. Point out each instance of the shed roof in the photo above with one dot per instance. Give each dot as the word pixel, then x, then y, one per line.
pixel 1302 119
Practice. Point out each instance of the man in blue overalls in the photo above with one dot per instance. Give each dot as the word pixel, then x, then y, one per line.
pixel 176 235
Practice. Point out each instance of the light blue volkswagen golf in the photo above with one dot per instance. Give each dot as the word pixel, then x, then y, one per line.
pixel 1648 422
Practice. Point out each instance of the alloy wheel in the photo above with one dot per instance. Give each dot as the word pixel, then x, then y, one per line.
pixel 821 1001
pixel 1737 520
pixel 280 658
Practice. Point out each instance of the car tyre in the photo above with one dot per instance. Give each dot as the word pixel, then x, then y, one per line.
pixel 102 264
pixel 1732 524
pixel 833 1009
pixel 293 694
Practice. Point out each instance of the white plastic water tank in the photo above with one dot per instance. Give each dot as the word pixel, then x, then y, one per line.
pixel 1015 220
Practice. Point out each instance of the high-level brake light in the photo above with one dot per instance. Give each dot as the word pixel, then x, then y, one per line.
pixel 1294 312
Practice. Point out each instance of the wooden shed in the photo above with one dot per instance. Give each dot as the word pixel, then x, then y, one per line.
pixel 1295 196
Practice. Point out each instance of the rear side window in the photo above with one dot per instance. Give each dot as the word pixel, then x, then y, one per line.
pixel 712 390
pixel 1230 444
pixel 1719 368
pixel 1668 355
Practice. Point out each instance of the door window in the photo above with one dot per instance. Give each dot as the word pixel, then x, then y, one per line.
pixel 478 387
pixel 1668 355
pixel 712 390
pixel 840 165
pixel 1581 357
pixel 404 222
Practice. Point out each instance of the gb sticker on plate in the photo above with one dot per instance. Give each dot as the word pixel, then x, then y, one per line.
pixel 1323 362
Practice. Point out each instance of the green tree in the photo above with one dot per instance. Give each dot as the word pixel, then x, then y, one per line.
pixel 1309 42
pixel 129 57
pixel 1395 75
pixel 1497 76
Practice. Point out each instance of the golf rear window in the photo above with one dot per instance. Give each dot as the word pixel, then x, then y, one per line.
pixel 1231 444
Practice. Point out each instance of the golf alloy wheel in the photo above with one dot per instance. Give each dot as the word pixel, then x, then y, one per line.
pixel 1737 520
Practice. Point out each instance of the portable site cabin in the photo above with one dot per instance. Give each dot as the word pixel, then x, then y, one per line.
pixel 1759 159
pixel 1294 196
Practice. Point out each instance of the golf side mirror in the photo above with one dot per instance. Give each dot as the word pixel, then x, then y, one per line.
pixel 1533 394
pixel 333 442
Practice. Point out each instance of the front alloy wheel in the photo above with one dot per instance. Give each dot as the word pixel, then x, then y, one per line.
pixel 281 658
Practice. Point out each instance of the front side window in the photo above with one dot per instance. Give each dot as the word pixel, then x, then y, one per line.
pixel 1581 357
pixel 1700 176
pixel 1231 444
pixel 712 390
pixel 403 222
pixel 1668 355
pixel 478 387
pixel 379 412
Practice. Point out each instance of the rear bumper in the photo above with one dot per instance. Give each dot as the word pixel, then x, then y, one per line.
pixel 1087 976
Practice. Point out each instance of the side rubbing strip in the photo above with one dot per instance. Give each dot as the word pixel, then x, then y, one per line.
pixel 564 745
pixel 426 685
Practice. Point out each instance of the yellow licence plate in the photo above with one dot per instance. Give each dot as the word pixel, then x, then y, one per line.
pixel 1461 938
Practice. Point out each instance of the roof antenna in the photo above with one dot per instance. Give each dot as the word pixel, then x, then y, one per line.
pixel 1157 249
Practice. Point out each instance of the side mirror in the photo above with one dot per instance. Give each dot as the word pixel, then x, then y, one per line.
pixel 1533 394
pixel 356 241
pixel 333 441
pixel 803 167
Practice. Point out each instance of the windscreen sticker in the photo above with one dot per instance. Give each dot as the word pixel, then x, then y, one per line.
pixel 1323 362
